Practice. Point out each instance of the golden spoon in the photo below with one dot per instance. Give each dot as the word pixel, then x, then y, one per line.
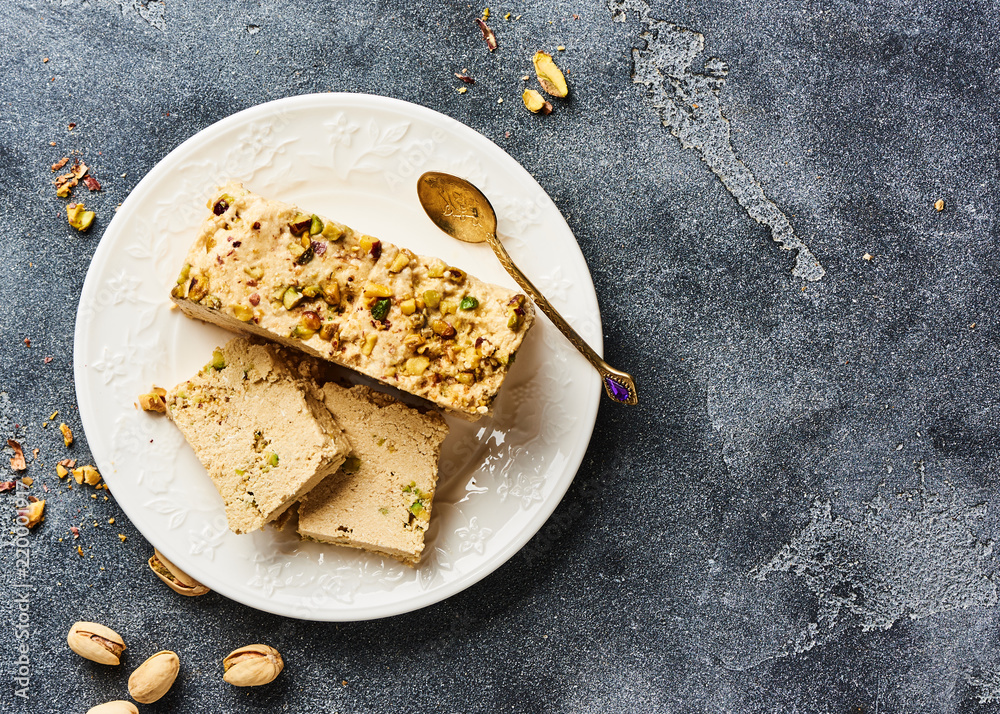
pixel 463 212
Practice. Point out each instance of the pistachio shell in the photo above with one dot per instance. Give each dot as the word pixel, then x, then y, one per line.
pixel 252 666
pixel 175 578
pixel 118 706
pixel 96 642
pixel 154 677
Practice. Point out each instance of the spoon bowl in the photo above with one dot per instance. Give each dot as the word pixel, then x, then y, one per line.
pixel 462 211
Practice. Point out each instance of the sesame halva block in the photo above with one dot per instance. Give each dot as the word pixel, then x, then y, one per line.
pixel 381 499
pixel 264 441
pixel 266 268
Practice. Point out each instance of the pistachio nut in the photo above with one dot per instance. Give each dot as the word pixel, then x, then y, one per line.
pixel 252 665
pixel 154 677
pixel 534 102
pixel 96 642
pixel 549 75
pixel 175 578
pixel 118 706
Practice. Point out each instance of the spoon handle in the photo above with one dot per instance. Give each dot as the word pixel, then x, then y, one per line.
pixel 619 385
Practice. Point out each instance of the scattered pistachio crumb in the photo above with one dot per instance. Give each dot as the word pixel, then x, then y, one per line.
pixel 54 415
pixel 500 100
pixel 867 256
pixel 462 90
pixel 939 205
pixel 561 48
pixel 111 521
pixel 67 434
pixel 27 480
pixel 79 551
pixel 122 537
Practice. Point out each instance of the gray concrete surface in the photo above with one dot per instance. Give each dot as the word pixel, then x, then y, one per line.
pixel 799 517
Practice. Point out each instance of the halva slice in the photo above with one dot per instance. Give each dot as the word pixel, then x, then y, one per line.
pixel 264 441
pixel 381 498
pixel 269 269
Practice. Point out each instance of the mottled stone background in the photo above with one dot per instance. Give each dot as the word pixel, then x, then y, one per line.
pixel 800 514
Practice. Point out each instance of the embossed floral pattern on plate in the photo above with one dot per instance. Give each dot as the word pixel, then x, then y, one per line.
pixel 355 157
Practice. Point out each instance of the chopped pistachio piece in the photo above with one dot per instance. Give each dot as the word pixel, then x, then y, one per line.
pixel 331 291
pixel 401 261
pixel 432 298
pixel 291 298
pixel 378 290
pixel 417 365
pixel 408 307
pixel 328 331
pixel 184 274
pixel 152 402
pixel 469 303
pixel 551 78
pixel 218 359
pixel 535 102
pixel 380 310
pixel 256 272
pixel 242 313
pixel 316 225
pixel 79 217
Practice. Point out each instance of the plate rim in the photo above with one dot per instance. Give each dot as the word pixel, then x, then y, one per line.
pixel 333 101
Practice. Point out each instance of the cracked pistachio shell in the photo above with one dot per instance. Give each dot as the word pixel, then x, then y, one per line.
pixel 118 706
pixel 252 665
pixel 96 642
pixel 175 578
pixel 154 677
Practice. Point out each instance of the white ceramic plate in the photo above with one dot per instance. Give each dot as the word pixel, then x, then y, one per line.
pixel 353 157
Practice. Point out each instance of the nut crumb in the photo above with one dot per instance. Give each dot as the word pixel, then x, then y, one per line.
pixel 939 205
pixel 72 126
pixel 67 434
pixel 28 481
pixel 122 537
pixel 462 90
pixel 60 163
pixel 867 256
